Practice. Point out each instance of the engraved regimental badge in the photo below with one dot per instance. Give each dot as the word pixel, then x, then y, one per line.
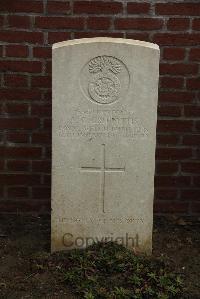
pixel 104 79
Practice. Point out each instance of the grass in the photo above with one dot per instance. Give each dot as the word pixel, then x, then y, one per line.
pixel 110 271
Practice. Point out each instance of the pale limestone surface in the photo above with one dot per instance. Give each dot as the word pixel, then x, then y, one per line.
pixel 104 131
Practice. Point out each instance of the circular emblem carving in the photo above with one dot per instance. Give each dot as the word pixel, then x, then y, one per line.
pixel 104 88
pixel 104 79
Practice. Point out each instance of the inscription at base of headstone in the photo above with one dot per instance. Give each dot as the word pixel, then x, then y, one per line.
pixel 104 131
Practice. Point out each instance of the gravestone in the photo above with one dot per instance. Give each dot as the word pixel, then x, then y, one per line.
pixel 104 131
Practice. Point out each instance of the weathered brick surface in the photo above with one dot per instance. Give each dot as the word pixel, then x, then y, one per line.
pixel 28 30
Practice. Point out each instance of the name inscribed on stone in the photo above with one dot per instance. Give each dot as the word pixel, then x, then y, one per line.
pixel 104 123
pixel 118 220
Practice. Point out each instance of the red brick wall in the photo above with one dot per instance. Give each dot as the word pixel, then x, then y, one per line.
pixel 28 29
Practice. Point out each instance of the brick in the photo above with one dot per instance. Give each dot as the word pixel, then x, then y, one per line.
pixel 138 8
pixel 177 39
pixel 15 109
pixel 192 111
pixel 1 112
pixel 172 82
pixel 171 207
pixel 98 23
pixel 21 37
pixel 196 181
pixel 178 69
pixel 191 140
pixel 48 152
pixel 195 207
pixel 21 6
pixel 18 165
pixel 58 7
pixel 193 83
pixel 19 21
pixel 166 194
pixel 185 9
pixel 41 81
pixel 191 167
pixel 59 23
pixel 47 96
pixel 144 36
pixel 15 80
pixel 167 139
pixel 174 125
pixel 42 52
pixel 1 21
pixel 18 123
pixel 173 153
pixel 173 53
pixel 41 110
pixel 194 54
pixel 2 165
pixel 190 194
pixel 17 192
pixel 25 206
pixel 21 66
pixel 138 23
pixel 55 37
pixel 1 51
pixel 176 97
pixel 169 111
pixel 1 193
pixel 196 24
pixel 41 192
pixel 178 24
pixel 47 180
pixel 166 168
pixel 20 94
pixel 172 181
pixel 48 68
pixel 41 138
pixel 197 152
pixel 21 152
pixel 97 7
pixel 197 125
pixel 17 51
pixel 98 34
pixel 41 166
pixel 19 137
pixel 47 123
pixel 19 179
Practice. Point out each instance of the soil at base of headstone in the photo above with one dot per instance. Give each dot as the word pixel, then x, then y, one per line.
pixel 23 237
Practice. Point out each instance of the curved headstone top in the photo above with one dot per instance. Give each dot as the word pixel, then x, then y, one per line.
pixel 106 40
pixel 104 132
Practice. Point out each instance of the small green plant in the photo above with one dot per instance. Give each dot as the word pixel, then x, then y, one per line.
pixel 110 271
pixel 88 295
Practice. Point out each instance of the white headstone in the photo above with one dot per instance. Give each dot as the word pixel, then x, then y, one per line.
pixel 104 131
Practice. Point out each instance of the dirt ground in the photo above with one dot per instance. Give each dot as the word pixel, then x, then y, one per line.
pixel 22 238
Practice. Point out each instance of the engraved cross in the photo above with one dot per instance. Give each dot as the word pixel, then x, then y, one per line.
pixel 102 170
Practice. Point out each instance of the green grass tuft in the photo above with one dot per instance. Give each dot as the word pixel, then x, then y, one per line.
pixel 110 271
